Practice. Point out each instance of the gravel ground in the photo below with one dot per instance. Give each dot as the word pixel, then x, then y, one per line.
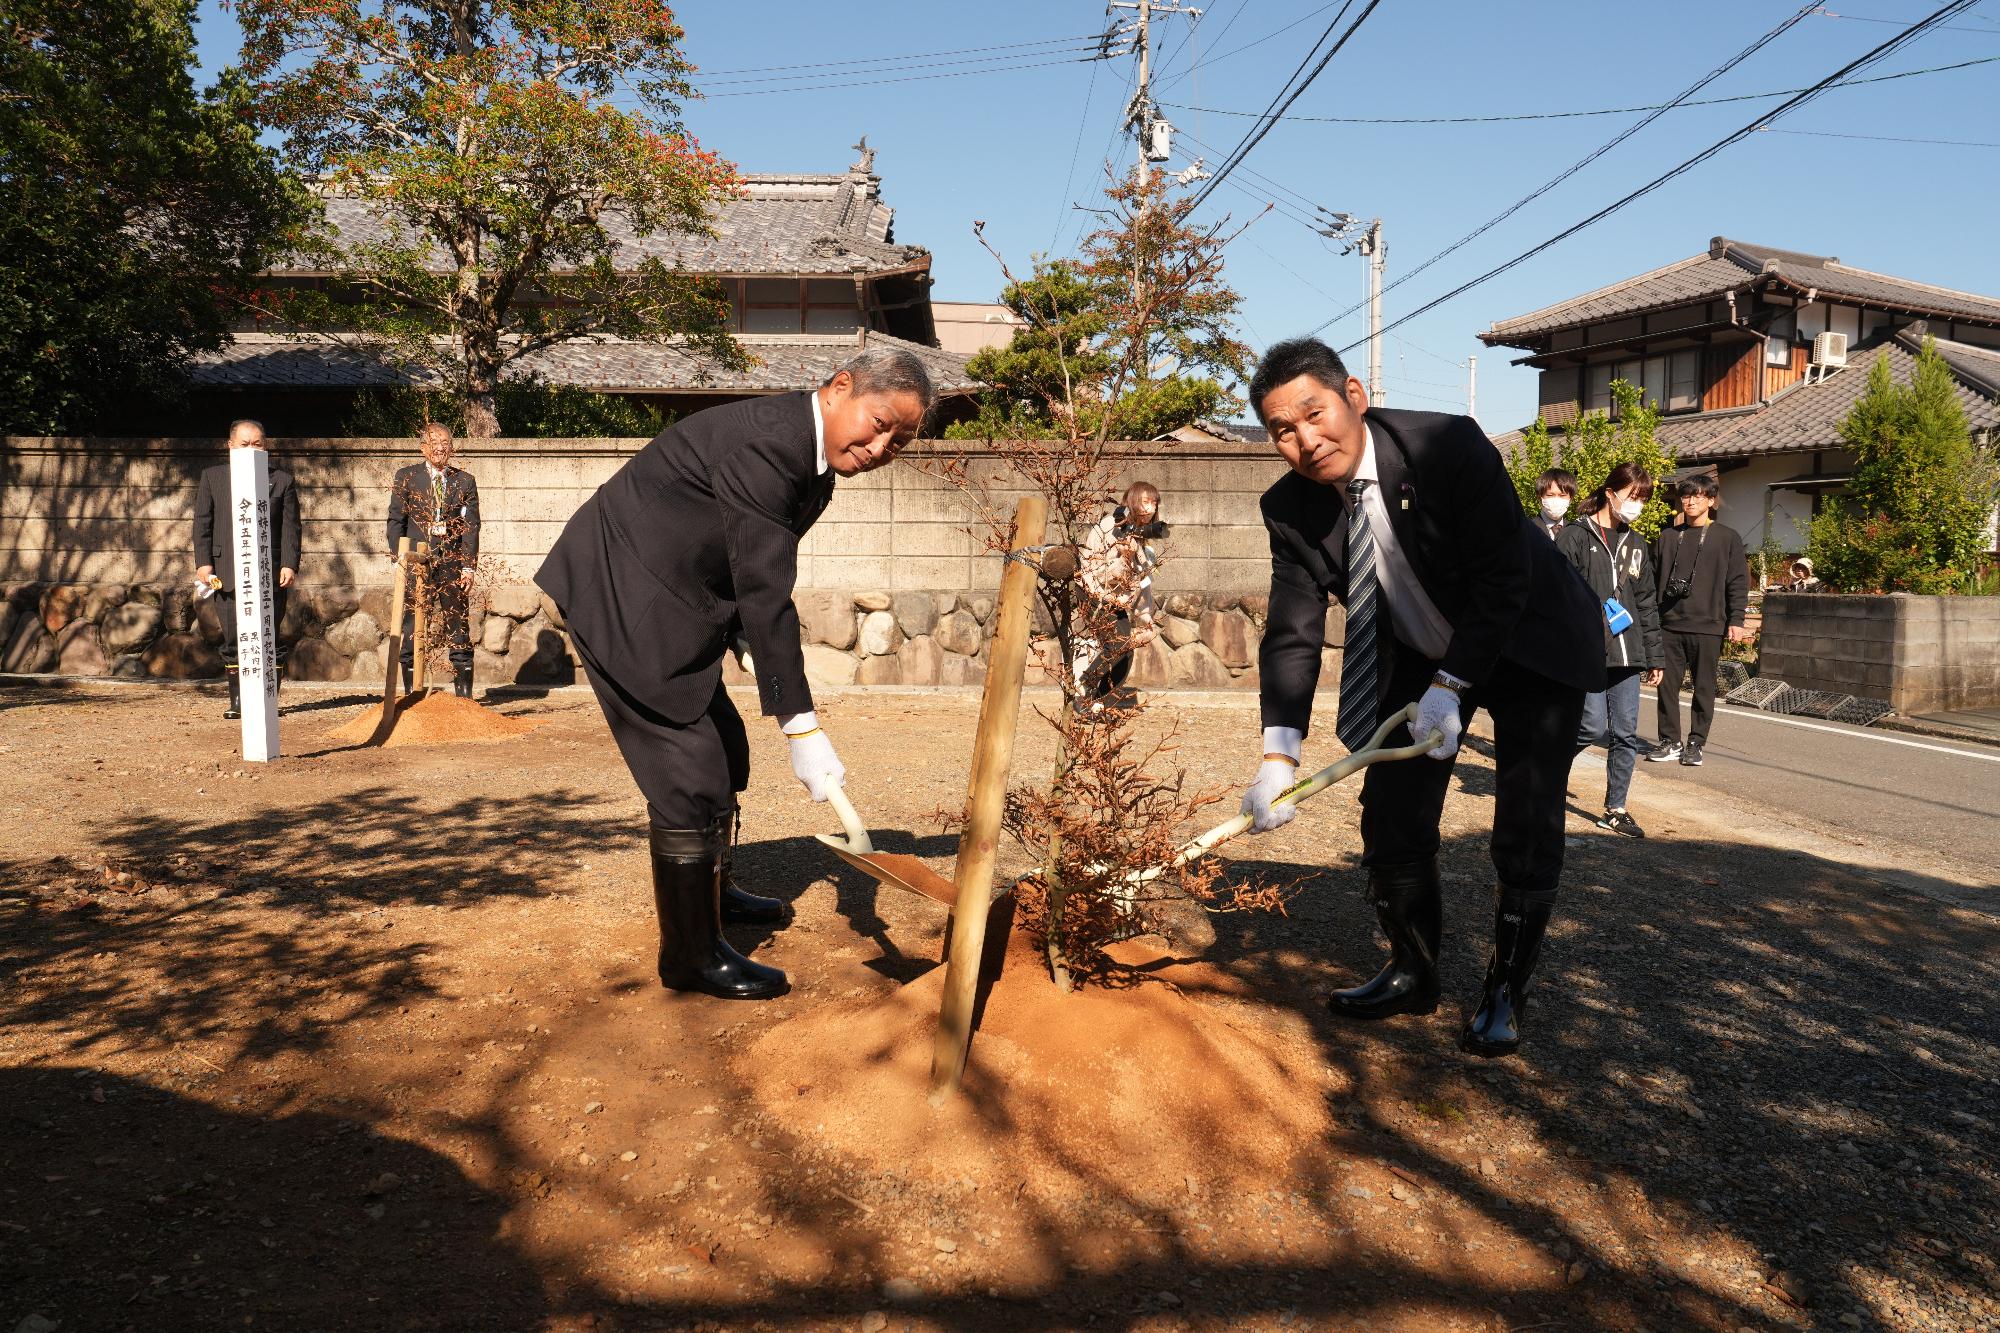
pixel 366 1039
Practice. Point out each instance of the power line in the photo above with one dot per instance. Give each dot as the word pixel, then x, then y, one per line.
pixel 1573 115
pixel 1895 43
pixel 1278 108
pixel 1088 37
pixel 1075 149
pixel 1216 60
pixel 1885 138
pixel 1593 155
pixel 1867 18
pixel 914 78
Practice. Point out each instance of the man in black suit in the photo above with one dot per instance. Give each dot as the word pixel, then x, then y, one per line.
pixel 434 502
pixel 692 542
pixel 1410 521
pixel 215 550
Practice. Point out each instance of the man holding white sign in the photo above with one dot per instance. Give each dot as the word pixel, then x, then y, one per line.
pixel 214 549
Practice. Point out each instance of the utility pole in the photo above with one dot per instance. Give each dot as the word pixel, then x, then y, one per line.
pixel 1368 241
pixel 1142 117
pixel 1472 386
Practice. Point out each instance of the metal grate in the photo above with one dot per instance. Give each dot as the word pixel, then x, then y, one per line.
pixel 1732 675
pixel 1861 712
pixel 1815 703
pixel 1756 693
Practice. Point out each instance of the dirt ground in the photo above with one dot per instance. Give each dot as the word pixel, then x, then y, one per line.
pixel 369 1039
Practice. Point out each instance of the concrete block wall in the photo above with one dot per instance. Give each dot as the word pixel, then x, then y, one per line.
pixel 1917 654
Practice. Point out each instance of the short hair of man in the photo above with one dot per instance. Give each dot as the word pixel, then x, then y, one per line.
pixel 430 428
pixel 1701 483
pixel 889 370
pixel 1288 360
pixel 1556 479
pixel 240 423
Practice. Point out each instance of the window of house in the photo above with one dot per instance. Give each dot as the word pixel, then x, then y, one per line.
pixel 1778 343
pixel 772 305
pixel 1670 382
pixel 830 306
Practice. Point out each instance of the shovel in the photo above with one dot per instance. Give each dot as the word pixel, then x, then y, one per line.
pixel 892 868
pixel 1302 790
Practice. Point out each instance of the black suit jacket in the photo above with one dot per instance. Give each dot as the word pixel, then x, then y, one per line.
pixel 413 506
pixel 214 539
pixel 698 532
pixel 1505 589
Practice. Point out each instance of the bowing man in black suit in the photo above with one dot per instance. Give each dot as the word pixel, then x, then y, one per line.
pixel 693 540
pixel 215 550
pixel 1451 594
pixel 434 502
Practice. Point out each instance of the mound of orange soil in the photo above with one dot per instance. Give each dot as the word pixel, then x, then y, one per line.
pixel 435 718
pixel 1145 1083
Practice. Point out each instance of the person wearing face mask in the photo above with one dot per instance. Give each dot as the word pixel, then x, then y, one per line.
pixel 1618 566
pixel 692 541
pixel 1452 599
pixel 1555 491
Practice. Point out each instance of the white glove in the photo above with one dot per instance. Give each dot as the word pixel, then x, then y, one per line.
pixel 1438 711
pixel 813 761
pixel 1273 777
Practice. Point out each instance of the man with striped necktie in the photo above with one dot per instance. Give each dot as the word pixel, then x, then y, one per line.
pixel 1452 598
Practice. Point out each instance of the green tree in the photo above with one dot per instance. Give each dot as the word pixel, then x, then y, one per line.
pixel 1914 514
pixel 1085 347
pixel 527 409
pixel 133 210
pixel 488 132
pixel 1591 446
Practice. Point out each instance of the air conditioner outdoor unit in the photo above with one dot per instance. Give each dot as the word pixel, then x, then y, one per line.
pixel 1829 350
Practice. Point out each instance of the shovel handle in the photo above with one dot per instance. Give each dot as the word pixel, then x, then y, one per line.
pixel 1306 788
pixel 858 841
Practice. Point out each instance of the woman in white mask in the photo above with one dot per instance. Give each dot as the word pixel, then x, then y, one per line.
pixel 1555 492
pixel 1618 565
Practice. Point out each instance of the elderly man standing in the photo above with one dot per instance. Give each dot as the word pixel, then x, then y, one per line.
pixel 692 542
pixel 1408 519
pixel 434 502
pixel 214 552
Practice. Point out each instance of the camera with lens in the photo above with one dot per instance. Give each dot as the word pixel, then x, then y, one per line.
pixel 1678 588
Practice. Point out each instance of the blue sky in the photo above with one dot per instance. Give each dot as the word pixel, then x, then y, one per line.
pixel 1019 138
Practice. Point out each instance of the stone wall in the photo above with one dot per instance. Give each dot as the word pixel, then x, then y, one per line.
pixel 118 511
pixel 872 637
pixel 1917 654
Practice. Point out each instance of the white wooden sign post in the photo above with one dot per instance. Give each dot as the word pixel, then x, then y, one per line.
pixel 256 635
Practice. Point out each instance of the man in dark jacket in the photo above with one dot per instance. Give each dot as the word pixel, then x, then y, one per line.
pixel 690 543
pixel 1704 585
pixel 434 502
pixel 1410 521
pixel 215 551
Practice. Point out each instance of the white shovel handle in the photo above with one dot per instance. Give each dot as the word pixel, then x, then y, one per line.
pixel 858 841
pixel 1305 788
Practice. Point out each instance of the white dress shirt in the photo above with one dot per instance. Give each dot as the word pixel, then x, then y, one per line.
pixel 819 434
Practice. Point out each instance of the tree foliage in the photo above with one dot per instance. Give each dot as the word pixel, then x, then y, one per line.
pixel 133 208
pixel 1081 348
pixel 525 409
pixel 1914 517
pixel 1591 446
pixel 491 133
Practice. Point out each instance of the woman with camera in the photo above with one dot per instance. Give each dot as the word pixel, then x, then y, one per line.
pixel 1704 596
pixel 1615 562
pixel 1119 554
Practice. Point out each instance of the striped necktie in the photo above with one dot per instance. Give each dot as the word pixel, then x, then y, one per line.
pixel 1358 663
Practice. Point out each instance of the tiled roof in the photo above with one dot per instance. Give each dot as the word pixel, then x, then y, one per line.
pixel 1736 266
pixel 790 225
pixel 782 361
pixel 1807 416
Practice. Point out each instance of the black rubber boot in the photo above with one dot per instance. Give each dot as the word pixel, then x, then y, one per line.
pixel 409 675
pixel 740 907
pixel 1410 908
pixel 687 892
pixel 461 682
pixel 1520 921
pixel 235 709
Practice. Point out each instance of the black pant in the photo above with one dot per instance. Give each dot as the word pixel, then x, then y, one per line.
pixel 1535 721
pixel 225 616
pixel 689 774
pixel 446 611
pixel 1699 655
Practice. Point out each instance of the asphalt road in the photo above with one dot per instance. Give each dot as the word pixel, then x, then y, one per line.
pixel 1936 799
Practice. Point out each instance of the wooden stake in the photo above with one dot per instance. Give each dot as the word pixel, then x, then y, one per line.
pixel 393 644
pixel 420 640
pixel 992 753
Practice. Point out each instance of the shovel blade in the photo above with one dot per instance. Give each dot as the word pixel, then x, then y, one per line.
pixel 898 871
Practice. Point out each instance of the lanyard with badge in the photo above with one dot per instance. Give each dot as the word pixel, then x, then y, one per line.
pixel 1616 618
